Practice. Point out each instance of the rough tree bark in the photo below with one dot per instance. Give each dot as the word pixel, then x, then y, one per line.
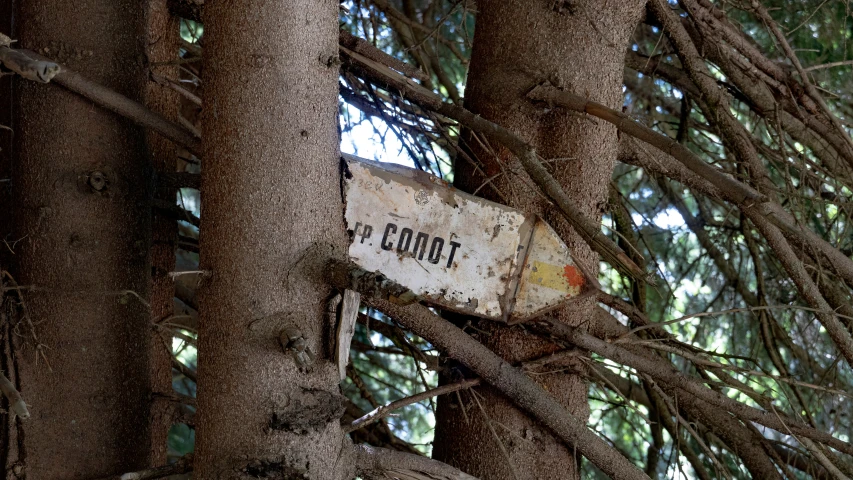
pixel 272 217
pixel 82 209
pixel 163 30
pixel 7 428
pixel 578 46
pixel 6 9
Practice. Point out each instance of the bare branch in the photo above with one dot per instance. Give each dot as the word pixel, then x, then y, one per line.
pixel 381 464
pixel 665 373
pixel 36 70
pixel 749 200
pixel 489 366
pixel 359 45
pixel 183 465
pixel 734 190
pixel 118 103
pixel 585 226
pixel 762 13
pixel 384 410
pixel 17 406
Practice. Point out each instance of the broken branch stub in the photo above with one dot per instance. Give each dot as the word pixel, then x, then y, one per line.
pixel 453 249
pixel 37 70
pixel 17 406
pixel 347 317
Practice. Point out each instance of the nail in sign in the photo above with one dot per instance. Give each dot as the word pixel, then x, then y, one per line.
pixel 452 249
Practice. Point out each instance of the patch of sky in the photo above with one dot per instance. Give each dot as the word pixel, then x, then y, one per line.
pixel 374 140
pixel 669 219
pixel 642 194
pixel 181 439
pixel 189 199
pixel 713 138
pixel 191 31
pixel 716 72
pixel 799 146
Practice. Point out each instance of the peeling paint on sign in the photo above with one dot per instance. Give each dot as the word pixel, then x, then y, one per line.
pixel 453 249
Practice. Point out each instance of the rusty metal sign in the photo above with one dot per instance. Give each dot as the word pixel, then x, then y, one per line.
pixel 453 249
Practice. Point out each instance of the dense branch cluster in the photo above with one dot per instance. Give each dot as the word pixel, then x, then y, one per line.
pixel 727 131
pixel 733 137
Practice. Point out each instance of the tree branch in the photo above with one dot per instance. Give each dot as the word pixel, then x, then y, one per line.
pixel 762 13
pixel 373 463
pixel 718 110
pixel 17 406
pixel 384 410
pixel 365 48
pixel 767 217
pixel 490 367
pixel 183 465
pixel 733 190
pixel 585 226
pixel 36 70
pixel 740 438
pixel 665 373
pixel 764 96
pixel 118 103
pixel 725 187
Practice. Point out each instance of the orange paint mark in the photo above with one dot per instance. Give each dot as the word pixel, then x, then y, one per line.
pixel 573 276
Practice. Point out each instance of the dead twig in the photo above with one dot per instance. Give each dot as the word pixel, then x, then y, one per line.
pixel 118 103
pixel 664 372
pixel 40 348
pixel 35 70
pixel 18 62
pixel 380 463
pixel 384 410
pixel 17 406
pixel 365 48
pixel 491 368
pixel 183 465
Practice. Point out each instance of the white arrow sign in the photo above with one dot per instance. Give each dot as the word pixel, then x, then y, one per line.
pixel 453 249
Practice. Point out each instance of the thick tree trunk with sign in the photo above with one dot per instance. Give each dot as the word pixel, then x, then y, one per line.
pixel 269 402
pixel 580 47
pixel 268 396
pixel 81 346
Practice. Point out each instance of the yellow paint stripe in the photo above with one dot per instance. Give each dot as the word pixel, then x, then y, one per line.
pixel 555 277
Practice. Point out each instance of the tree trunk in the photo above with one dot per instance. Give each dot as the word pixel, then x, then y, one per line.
pixel 82 207
pixel 272 217
pixel 6 10
pixel 580 47
pixel 7 425
pixel 164 31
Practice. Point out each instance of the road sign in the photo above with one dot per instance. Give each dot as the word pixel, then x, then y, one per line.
pixel 452 249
